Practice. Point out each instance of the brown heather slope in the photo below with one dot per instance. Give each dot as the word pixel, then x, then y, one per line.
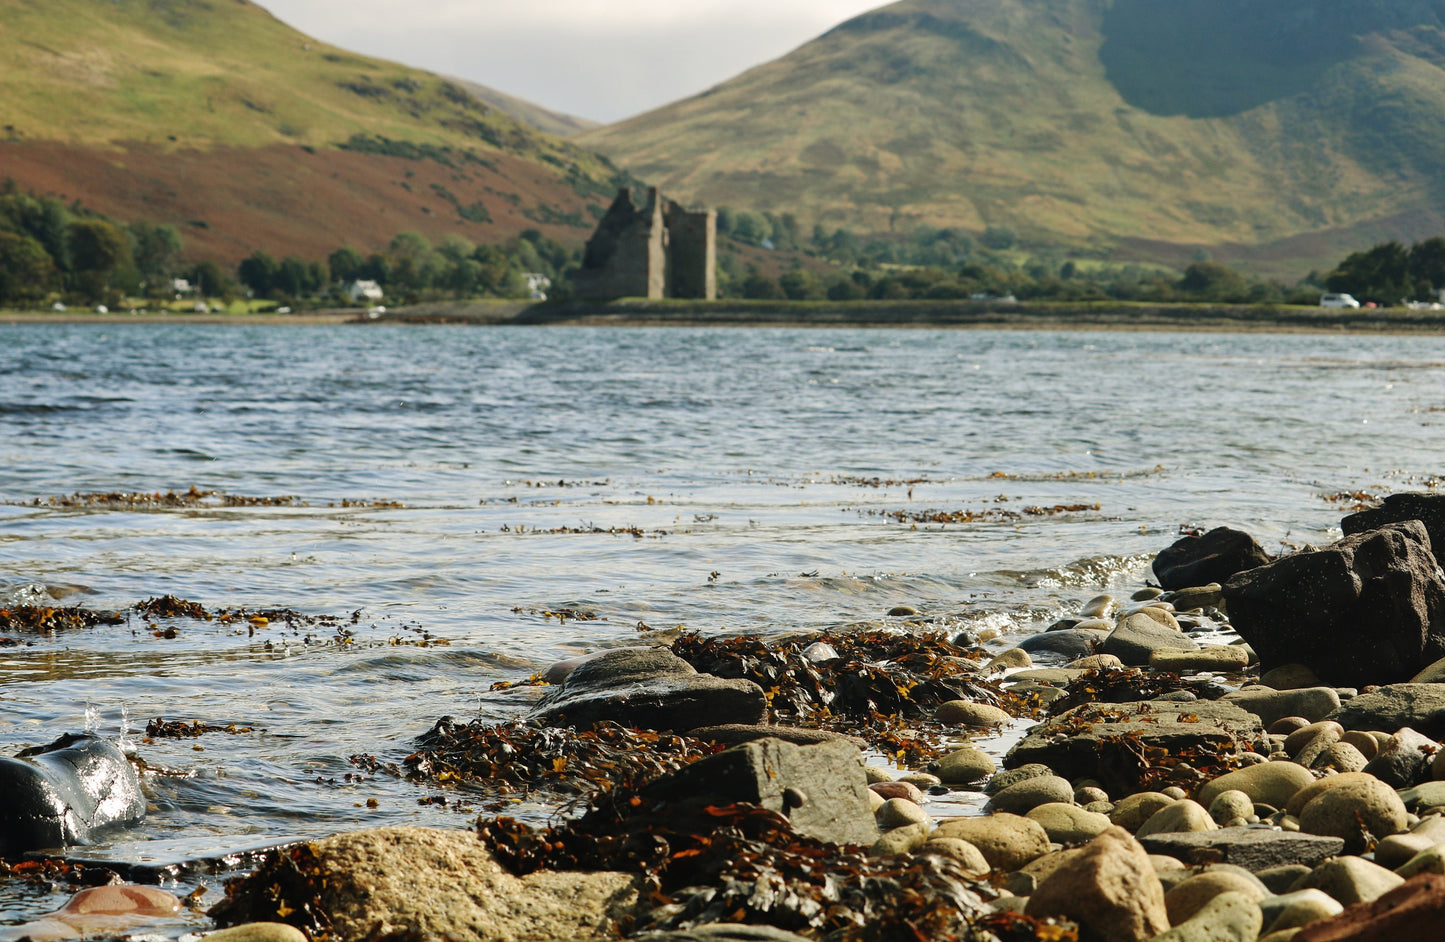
pixel 215 117
pixel 1281 132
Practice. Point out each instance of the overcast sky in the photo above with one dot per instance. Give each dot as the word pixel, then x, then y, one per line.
pixel 598 59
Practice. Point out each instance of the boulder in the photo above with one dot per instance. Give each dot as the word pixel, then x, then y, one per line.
pixel 1413 911
pixel 1023 797
pixel 1293 910
pixel 1404 761
pixel 821 789
pixel 1254 849
pixel 1069 643
pixel 1068 823
pixel 1368 609
pixel 1350 880
pixel 1110 889
pixel 1359 812
pixel 1429 509
pixel 649 688
pixel 1007 841
pixel 1193 893
pixel 971 714
pixel 1136 638
pixel 1270 705
pixel 1270 783
pixel 1182 815
pixel 72 791
pixel 427 883
pixel 1102 741
pixel 964 766
pixel 1421 707
pixel 1229 917
pixel 1214 557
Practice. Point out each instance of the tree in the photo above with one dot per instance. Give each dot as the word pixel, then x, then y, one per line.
pixel 210 281
pixel 26 269
pixel 155 249
pixel 1427 262
pixel 801 285
pixel 97 248
pixel 258 271
pixel 758 285
pixel 346 264
pixel 1381 274
pixel 1212 281
pixel 999 238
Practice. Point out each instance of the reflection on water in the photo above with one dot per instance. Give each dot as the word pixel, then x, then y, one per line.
pixel 714 479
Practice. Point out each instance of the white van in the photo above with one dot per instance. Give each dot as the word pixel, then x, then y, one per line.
pixel 1338 300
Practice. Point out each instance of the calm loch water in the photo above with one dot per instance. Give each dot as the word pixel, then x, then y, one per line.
pixel 443 492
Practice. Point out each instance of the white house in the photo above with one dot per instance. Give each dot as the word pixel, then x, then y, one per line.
pixel 537 285
pixel 364 291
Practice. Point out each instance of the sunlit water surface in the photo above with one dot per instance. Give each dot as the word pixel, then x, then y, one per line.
pixel 459 484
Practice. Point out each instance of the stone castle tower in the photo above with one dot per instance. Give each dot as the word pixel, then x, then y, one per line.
pixel 659 250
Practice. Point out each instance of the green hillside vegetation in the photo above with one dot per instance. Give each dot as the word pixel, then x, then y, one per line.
pixel 1305 128
pixel 206 73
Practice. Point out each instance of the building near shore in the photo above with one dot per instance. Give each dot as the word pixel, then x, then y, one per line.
pixel 657 250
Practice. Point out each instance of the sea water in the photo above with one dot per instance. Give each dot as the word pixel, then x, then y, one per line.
pixel 456 497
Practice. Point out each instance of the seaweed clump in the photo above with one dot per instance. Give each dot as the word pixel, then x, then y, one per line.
pixel 1127 685
pixel 507 758
pixel 44 619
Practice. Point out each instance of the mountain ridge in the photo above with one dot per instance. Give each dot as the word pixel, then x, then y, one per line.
pixel 1067 121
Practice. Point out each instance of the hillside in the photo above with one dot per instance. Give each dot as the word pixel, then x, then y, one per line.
pixel 1278 134
pixel 543 119
pixel 214 115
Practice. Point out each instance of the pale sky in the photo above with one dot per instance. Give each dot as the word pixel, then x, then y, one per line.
pixel 599 59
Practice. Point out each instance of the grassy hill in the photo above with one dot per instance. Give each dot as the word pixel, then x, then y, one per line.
pixel 215 115
pixel 1276 134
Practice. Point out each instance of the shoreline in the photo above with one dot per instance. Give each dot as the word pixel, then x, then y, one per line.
pixel 977 315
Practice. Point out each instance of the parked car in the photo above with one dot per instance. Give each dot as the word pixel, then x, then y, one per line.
pixel 1338 300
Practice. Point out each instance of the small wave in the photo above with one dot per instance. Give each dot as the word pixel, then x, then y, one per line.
pixel 1094 571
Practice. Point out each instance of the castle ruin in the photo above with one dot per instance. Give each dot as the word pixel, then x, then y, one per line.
pixel 659 250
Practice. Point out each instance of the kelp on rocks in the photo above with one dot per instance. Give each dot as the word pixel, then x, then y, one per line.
pixel 1127 685
pixel 507 758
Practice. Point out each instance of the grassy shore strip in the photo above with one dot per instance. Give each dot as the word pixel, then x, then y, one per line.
pixel 961 314
pixel 743 313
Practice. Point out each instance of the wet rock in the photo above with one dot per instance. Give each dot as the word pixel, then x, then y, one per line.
pixel 649 688
pixel 1137 637
pixel 970 714
pixel 1421 707
pixel 429 883
pixel 1101 741
pixel 1013 776
pixel 257 932
pixel 1404 760
pixel 99 912
pixel 1254 849
pixel 1022 797
pixel 964 766
pixel 1008 660
pixel 1381 588
pixel 1428 509
pixel 1095 662
pixel 1350 880
pixel 1070 643
pixel 900 789
pixel 1007 841
pixel 1110 889
pixel 902 611
pixel 1313 703
pixel 1191 895
pixel 1290 677
pixel 72 791
pixel 1069 824
pixel 1359 812
pixel 1097 607
pixel 1213 557
pixel 821 789
pixel 1415 910
pixel 558 672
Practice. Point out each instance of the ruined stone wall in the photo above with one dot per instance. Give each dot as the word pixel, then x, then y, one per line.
pixel 692 238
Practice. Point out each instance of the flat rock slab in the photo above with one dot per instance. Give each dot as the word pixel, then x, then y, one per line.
pixel 1251 848
pixel 735 734
pixel 1103 740
pixel 821 789
pixel 1387 709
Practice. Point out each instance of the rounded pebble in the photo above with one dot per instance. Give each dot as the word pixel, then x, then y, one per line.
pixel 971 714
pixel 966 765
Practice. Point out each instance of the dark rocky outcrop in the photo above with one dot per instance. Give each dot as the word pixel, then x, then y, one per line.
pixel 1388 709
pixel 1429 509
pixel 68 792
pixel 650 688
pixel 1213 557
pixel 1368 609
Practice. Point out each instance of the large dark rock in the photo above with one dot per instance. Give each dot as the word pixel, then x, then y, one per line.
pixel 1369 609
pixel 66 793
pixel 649 688
pixel 1429 509
pixel 1105 741
pixel 1251 848
pixel 1213 557
pixel 821 789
